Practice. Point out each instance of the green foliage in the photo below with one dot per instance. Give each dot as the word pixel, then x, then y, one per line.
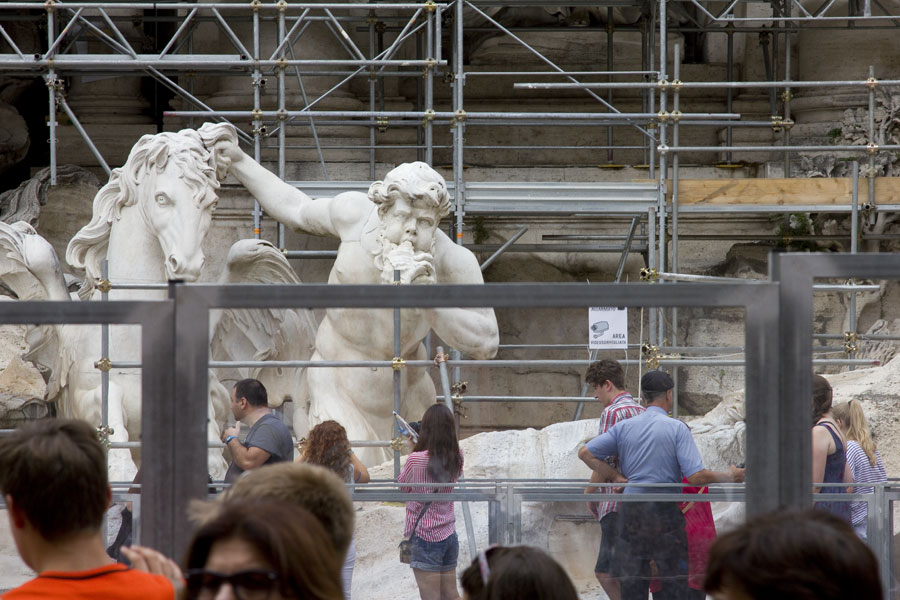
pixel 791 226
pixel 834 135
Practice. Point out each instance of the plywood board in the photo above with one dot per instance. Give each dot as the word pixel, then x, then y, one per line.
pixel 817 190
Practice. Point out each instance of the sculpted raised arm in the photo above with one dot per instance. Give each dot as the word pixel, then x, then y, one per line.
pixel 282 201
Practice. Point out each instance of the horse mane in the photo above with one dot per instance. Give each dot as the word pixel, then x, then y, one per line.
pixel 149 157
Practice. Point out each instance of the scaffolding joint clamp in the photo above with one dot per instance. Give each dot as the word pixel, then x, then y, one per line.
pixel 459 116
pixel 459 388
pixel 398 443
pixel 103 434
pixel 440 357
pixel 430 6
pixel 50 6
pixel 675 115
pixel 281 5
pixel 872 148
pixel 871 83
pixel 662 84
pixel 648 274
pixel 281 115
pixel 260 131
pixel 382 123
pixel 662 149
pixel 850 342
pixel 256 114
pixel 651 354
pixel 104 364
pixel 429 115
pixel 676 84
pixel 259 82
pixel 777 122
pixel 255 5
pixel 787 96
pixel 398 363
pixel 281 64
pixel 104 285
pixel 663 116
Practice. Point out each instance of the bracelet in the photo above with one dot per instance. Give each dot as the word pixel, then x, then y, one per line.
pixel 229 438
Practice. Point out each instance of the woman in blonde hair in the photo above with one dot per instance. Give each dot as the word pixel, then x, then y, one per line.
pixel 862 456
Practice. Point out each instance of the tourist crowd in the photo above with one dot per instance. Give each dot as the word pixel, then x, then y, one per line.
pixel 284 529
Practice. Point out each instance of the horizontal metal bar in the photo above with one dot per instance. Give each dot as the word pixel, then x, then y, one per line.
pixel 859 149
pixel 274 6
pixel 670 86
pixel 310 253
pixel 272 114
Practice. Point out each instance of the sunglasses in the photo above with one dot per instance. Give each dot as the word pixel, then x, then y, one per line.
pixel 253 584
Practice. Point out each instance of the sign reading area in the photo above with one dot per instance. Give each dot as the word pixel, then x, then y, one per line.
pixel 607 327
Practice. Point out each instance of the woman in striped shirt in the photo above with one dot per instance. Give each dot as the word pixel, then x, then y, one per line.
pixel 436 458
pixel 862 456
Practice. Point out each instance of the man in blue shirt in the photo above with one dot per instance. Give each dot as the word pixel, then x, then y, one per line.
pixel 652 448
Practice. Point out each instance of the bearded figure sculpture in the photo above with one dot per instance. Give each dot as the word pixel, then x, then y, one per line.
pixel 393 227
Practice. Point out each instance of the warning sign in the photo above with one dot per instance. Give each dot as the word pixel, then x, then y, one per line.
pixel 607 327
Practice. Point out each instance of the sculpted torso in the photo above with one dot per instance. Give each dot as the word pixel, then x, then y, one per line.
pixel 394 227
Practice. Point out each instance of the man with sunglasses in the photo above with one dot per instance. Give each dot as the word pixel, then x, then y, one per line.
pixel 54 483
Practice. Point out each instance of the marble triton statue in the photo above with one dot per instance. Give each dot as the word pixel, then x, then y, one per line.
pixel 395 226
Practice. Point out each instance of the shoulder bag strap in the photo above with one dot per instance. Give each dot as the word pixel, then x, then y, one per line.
pixel 421 513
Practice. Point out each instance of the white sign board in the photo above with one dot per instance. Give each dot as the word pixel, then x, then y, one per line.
pixel 607 327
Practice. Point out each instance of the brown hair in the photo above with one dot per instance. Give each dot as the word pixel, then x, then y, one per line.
pixel 793 555
pixel 289 538
pixel 314 488
pixel 55 471
pixel 850 415
pixel 821 397
pixel 605 370
pixel 327 445
pixel 518 572
pixel 437 435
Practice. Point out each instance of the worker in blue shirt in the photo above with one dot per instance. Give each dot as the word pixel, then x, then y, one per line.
pixel 652 448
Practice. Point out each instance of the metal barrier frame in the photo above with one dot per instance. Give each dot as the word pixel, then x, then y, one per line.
pixel 795 275
pixel 167 475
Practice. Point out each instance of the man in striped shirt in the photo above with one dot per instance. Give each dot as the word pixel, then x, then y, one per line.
pixel 607 379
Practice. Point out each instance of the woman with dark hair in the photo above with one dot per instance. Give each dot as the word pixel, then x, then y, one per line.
pixel 436 458
pixel 262 549
pixel 863 458
pixel 829 458
pixel 327 446
pixel 515 572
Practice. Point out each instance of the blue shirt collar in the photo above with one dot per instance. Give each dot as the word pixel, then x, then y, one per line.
pixel 657 408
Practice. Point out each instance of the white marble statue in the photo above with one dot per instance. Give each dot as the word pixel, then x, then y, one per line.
pixel 149 221
pixel 394 227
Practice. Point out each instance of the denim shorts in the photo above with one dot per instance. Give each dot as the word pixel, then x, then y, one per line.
pixel 435 557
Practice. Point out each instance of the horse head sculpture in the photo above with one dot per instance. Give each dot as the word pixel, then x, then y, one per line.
pixel 172 179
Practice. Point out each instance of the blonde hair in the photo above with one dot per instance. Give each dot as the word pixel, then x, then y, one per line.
pixel 851 415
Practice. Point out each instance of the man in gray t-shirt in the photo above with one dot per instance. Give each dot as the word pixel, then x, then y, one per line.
pixel 268 440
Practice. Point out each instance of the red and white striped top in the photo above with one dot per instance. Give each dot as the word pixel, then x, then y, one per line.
pixel 439 521
pixel 622 407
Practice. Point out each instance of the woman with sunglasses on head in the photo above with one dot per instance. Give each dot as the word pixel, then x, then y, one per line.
pixel 327 445
pixel 263 550
pixel 514 572
pixel 436 458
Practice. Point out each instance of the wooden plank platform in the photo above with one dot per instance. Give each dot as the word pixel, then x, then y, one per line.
pixel 812 191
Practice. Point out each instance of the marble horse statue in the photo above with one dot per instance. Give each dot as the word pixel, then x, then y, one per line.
pixel 149 222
